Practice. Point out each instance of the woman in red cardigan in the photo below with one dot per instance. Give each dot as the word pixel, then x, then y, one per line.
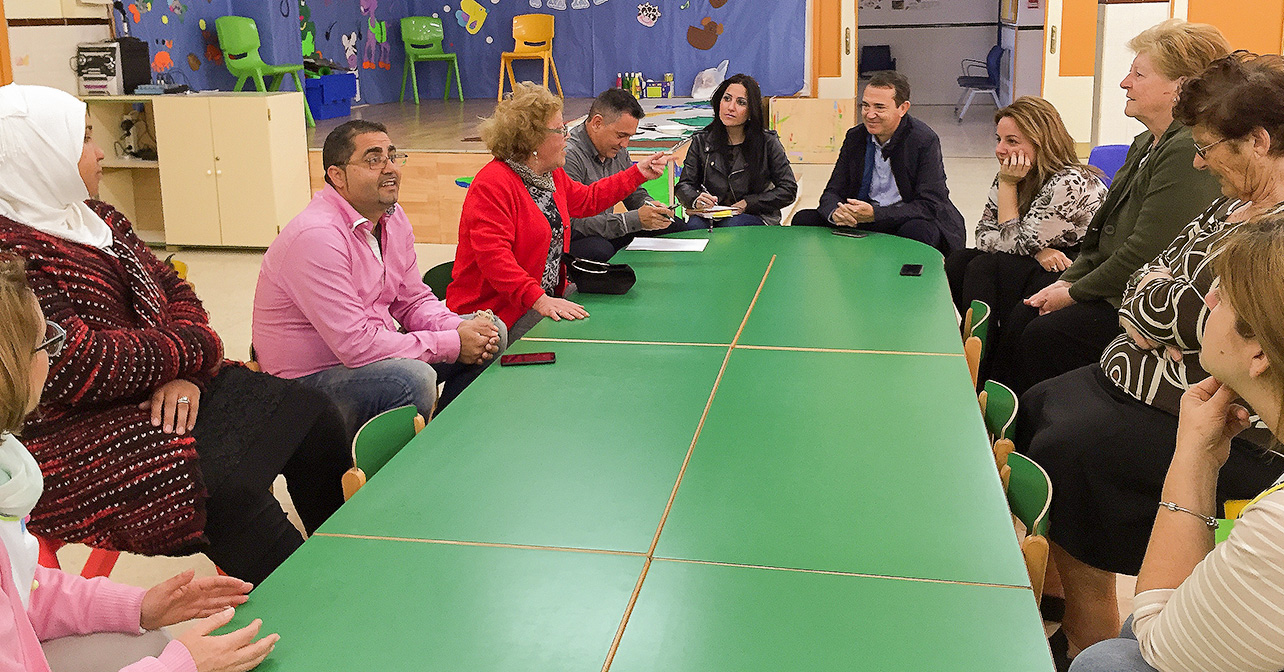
pixel 516 221
pixel 149 441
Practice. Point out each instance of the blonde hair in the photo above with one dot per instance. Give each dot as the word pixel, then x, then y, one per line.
pixel 1180 48
pixel 518 126
pixel 20 331
pixel 1251 267
pixel 1039 121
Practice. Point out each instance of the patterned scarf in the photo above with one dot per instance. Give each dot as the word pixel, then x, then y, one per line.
pixel 541 189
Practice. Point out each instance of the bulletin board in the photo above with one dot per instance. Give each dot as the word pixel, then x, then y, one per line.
pixel 595 40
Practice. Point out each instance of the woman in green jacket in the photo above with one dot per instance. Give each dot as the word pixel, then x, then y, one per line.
pixel 1153 196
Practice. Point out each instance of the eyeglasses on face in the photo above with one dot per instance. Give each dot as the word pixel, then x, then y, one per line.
pixel 55 339
pixel 562 131
pixel 378 161
pixel 1203 151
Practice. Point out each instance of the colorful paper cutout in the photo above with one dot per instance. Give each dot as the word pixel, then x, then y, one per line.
pixel 471 16
pixel 705 35
pixel 648 14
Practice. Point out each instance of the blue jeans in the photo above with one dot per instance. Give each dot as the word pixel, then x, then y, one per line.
pixel 1122 654
pixel 367 391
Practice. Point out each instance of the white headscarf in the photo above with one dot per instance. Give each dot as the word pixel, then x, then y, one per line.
pixel 42 133
pixel 20 487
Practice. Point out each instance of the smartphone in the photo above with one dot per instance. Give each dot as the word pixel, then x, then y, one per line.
pixel 912 270
pixel 850 233
pixel 528 358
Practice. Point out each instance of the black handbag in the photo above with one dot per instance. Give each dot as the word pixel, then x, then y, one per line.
pixel 597 277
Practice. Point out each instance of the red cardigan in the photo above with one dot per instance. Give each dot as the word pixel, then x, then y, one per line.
pixel 504 237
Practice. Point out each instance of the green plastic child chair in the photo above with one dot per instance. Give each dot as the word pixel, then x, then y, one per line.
pixel 377 442
pixel 1000 410
pixel 238 37
pixel 1029 498
pixel 422 36
pixel 977 322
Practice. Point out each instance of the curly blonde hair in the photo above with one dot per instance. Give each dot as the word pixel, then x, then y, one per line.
pixel 519 125
pixel 1180 48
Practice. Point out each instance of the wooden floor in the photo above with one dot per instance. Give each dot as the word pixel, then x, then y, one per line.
pixel 433 125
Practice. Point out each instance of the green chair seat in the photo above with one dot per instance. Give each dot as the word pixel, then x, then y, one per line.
pixel 1029 493
pixel 238 37
pixel 438 279
pixel 422 37
pixel 1000 410
pixel 379 440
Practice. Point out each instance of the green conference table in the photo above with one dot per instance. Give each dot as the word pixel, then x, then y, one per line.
pixel 765 456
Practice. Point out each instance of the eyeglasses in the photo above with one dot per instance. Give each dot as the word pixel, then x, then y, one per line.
pixel 378 161
pixel 1203 151
pixel 55 339
pixel 562 131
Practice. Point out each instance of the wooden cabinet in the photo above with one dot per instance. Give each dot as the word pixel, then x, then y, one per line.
pixel 231 169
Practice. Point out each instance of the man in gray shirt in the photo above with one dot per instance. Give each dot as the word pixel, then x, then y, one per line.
pixel 596 149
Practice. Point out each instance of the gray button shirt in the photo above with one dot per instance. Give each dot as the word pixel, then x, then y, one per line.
pixel 585 166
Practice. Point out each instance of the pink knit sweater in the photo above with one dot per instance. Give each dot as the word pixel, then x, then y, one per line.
pixel 64 604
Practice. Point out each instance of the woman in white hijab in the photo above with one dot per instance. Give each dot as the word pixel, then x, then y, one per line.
pixel 65 610
pixel 149 442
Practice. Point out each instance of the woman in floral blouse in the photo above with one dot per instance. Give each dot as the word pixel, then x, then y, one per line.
pixel 1039 208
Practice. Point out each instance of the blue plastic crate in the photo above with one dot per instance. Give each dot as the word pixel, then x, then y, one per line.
pixel 330 96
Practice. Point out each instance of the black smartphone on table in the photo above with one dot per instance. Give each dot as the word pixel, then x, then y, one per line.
pixel 850 233
pixel 527 358
pixel 913 270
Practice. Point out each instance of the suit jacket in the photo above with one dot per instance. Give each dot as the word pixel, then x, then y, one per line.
pixel 915 154
pixel 1148 204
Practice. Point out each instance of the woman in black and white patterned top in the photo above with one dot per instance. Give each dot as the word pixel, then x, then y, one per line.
pixel 1105 432
pixel 1040 206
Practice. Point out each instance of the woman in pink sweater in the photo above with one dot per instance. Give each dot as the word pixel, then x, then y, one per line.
pixel 46 604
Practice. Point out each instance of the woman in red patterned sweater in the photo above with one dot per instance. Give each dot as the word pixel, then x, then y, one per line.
pixel 149 442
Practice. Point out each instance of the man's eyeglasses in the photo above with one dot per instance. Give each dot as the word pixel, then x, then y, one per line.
pixel 378 161
pixel 562 131
pixel 55 339
pixel 1203 151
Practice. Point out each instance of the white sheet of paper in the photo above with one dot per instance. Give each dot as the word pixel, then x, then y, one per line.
pixel 668 244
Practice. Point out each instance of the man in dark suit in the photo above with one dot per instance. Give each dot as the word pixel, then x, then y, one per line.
pixel 890 176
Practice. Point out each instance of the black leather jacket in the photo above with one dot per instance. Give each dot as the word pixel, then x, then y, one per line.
pixel 707 169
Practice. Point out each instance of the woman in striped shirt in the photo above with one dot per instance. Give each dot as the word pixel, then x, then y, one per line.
pixel 1200 607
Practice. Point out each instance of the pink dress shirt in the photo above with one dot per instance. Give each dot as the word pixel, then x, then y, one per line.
pixel 62 605
pixel 324 298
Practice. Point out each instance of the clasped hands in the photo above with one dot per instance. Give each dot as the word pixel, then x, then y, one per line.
pixel 852 213
pixel 478 340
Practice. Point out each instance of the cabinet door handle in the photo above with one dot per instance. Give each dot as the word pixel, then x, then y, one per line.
pixel 1052 41
pixel 849 41
pixel 209 172
pixel 218 172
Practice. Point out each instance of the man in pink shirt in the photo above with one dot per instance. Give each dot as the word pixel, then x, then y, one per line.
pixel 340 304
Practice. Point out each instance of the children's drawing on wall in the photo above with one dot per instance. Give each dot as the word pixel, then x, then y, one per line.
pixel 162 62
pixel 377 51
pixel 213 53
pixel 648 14
pixel 537 3
pixel 349 41
pixel 138 9
pixel 193 62
pixel 557 4
pixel 579 4
pixel 307 29
pixel 471 16
pixel 705 35
pixel 178 9
pixel 717 4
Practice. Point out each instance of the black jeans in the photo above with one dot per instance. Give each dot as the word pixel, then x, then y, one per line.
pixel 1033 348
pixel 597 248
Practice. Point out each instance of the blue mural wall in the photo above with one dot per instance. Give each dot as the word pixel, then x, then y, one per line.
pixel 595 40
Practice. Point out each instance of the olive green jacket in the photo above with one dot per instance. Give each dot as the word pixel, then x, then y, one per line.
pixel 1147 206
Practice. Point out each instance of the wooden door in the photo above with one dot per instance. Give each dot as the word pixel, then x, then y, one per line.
pixel 242 159
pixel 1069 63
pixel 189 192
pixel 834 57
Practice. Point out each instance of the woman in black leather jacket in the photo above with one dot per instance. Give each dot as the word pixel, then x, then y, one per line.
pixel 736 172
